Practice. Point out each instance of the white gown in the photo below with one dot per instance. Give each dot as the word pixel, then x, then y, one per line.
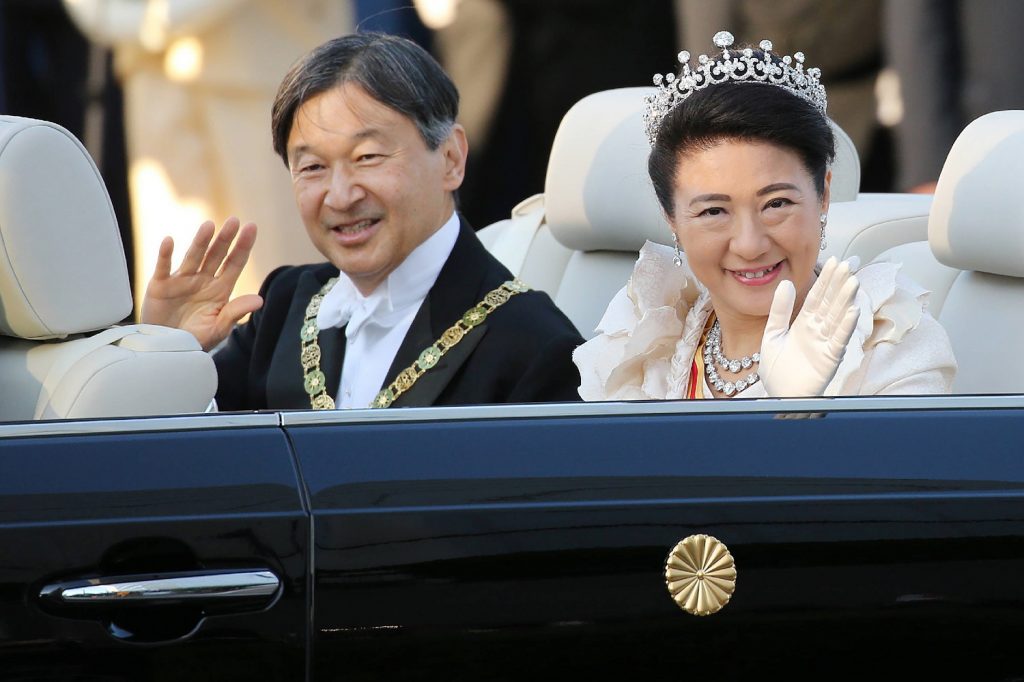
pixel 649 334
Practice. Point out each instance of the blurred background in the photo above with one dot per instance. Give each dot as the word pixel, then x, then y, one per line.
pixel 172 97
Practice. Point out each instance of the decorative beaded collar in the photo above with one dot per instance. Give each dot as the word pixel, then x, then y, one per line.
pixel 315 382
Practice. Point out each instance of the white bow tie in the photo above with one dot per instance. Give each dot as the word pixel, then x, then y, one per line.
pixel 344 305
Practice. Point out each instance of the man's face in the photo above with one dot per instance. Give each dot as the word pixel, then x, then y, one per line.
pixel 368 189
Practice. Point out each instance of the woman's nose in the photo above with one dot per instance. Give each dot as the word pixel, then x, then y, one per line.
pixel 750 240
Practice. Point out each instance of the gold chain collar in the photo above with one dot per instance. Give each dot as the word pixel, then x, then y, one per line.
pixel 313 378
pixel 315 382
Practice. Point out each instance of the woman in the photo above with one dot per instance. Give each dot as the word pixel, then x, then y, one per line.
pixel 740 155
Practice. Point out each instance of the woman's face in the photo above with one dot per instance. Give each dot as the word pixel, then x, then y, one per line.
pixel 747 216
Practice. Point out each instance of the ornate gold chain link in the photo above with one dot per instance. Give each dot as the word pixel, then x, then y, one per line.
pixel 315 382
pixel 313 379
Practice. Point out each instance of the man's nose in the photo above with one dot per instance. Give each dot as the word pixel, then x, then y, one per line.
pixel 344 190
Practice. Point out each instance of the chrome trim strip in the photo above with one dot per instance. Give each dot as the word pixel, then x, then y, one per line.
pixel 485 412
pixel 140 424
pixel 680 407
pixel 210 586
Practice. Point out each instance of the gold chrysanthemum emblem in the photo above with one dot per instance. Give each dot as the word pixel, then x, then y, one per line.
pixel 700 574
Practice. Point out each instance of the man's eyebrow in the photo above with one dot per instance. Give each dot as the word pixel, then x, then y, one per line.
pixel 776 187
pixel 364 134
pixel 295 151
pixel 368 133
pixel 710 197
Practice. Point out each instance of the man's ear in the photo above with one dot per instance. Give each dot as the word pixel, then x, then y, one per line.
pixel 455 150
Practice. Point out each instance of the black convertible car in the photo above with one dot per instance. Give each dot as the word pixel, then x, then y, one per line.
pixel 866 537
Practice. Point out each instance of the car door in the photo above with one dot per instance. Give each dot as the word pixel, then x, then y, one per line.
pixel 152 549
pixel 873 536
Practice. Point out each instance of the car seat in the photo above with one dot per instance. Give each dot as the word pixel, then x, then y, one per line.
pixel 64 288
pixel 579 240
pixel 973 259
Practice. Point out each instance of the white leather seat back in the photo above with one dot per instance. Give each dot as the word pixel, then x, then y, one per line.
pixel 977 226
pixel 977 220
pixel 874 223
pixel 919 264
pixel 600 208
pixel 63 269
pixel 598 194
pixel 62 278
pixel 973 261
pixel 984 317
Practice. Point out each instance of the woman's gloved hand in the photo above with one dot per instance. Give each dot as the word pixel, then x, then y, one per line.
pixel 800 359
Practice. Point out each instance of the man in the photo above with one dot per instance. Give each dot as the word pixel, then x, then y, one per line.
pixel 420 313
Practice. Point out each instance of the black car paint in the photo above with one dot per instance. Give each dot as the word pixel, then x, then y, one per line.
pixel 531 544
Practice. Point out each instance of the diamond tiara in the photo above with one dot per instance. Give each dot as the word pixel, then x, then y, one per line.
pixel 738 66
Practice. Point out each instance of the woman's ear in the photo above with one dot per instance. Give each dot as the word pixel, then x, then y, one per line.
pixel 826 194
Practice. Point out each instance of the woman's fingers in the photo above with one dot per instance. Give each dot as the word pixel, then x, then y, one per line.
pixel 781 311
pixel 814 296
pixel 840 337
pixel 831 295
pixel 845 291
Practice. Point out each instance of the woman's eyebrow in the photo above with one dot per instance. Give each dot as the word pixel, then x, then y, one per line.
pixel 710 197
pixel 776 187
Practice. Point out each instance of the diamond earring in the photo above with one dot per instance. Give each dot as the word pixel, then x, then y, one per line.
pixel 823 242
pixel 678 259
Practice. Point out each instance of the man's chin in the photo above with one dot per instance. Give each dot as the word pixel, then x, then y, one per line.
pixel 365 276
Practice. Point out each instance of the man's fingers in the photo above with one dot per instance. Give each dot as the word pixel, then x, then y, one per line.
pixel 163 259
pixel 219 247
pixel 237 308
pixel 239 254
pixel 197 249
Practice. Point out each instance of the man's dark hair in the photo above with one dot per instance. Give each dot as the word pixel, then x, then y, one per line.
pixel 740 111
pixel 395 71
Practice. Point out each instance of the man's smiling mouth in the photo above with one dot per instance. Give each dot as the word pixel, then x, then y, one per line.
pixel 355 228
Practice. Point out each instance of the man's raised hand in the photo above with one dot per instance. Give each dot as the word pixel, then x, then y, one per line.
pixel 197 296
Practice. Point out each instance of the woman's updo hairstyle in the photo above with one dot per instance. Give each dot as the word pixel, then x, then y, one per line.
pixel 754 112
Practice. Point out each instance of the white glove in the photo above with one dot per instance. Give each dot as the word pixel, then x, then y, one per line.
pixel 800 360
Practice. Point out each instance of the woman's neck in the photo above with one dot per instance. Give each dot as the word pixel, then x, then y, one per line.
pixel 741 335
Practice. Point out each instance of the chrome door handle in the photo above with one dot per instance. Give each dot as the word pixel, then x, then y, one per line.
pixel 170 587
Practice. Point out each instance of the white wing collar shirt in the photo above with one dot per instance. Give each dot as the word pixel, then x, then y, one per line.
pixel 377 324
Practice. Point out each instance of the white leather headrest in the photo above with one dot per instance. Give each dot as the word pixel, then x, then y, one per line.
pixel 977 218
pixel 62 266
pixel 598 195
pixel 845 167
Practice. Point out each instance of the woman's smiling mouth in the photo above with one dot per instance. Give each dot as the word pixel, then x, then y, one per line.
pixel 757 277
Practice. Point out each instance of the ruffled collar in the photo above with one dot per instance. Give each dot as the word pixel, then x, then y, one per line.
pixel 650 331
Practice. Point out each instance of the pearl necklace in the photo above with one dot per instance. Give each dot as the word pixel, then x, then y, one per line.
pixel 713 354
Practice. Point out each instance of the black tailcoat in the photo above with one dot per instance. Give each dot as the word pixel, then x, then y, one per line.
pixel 521 353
